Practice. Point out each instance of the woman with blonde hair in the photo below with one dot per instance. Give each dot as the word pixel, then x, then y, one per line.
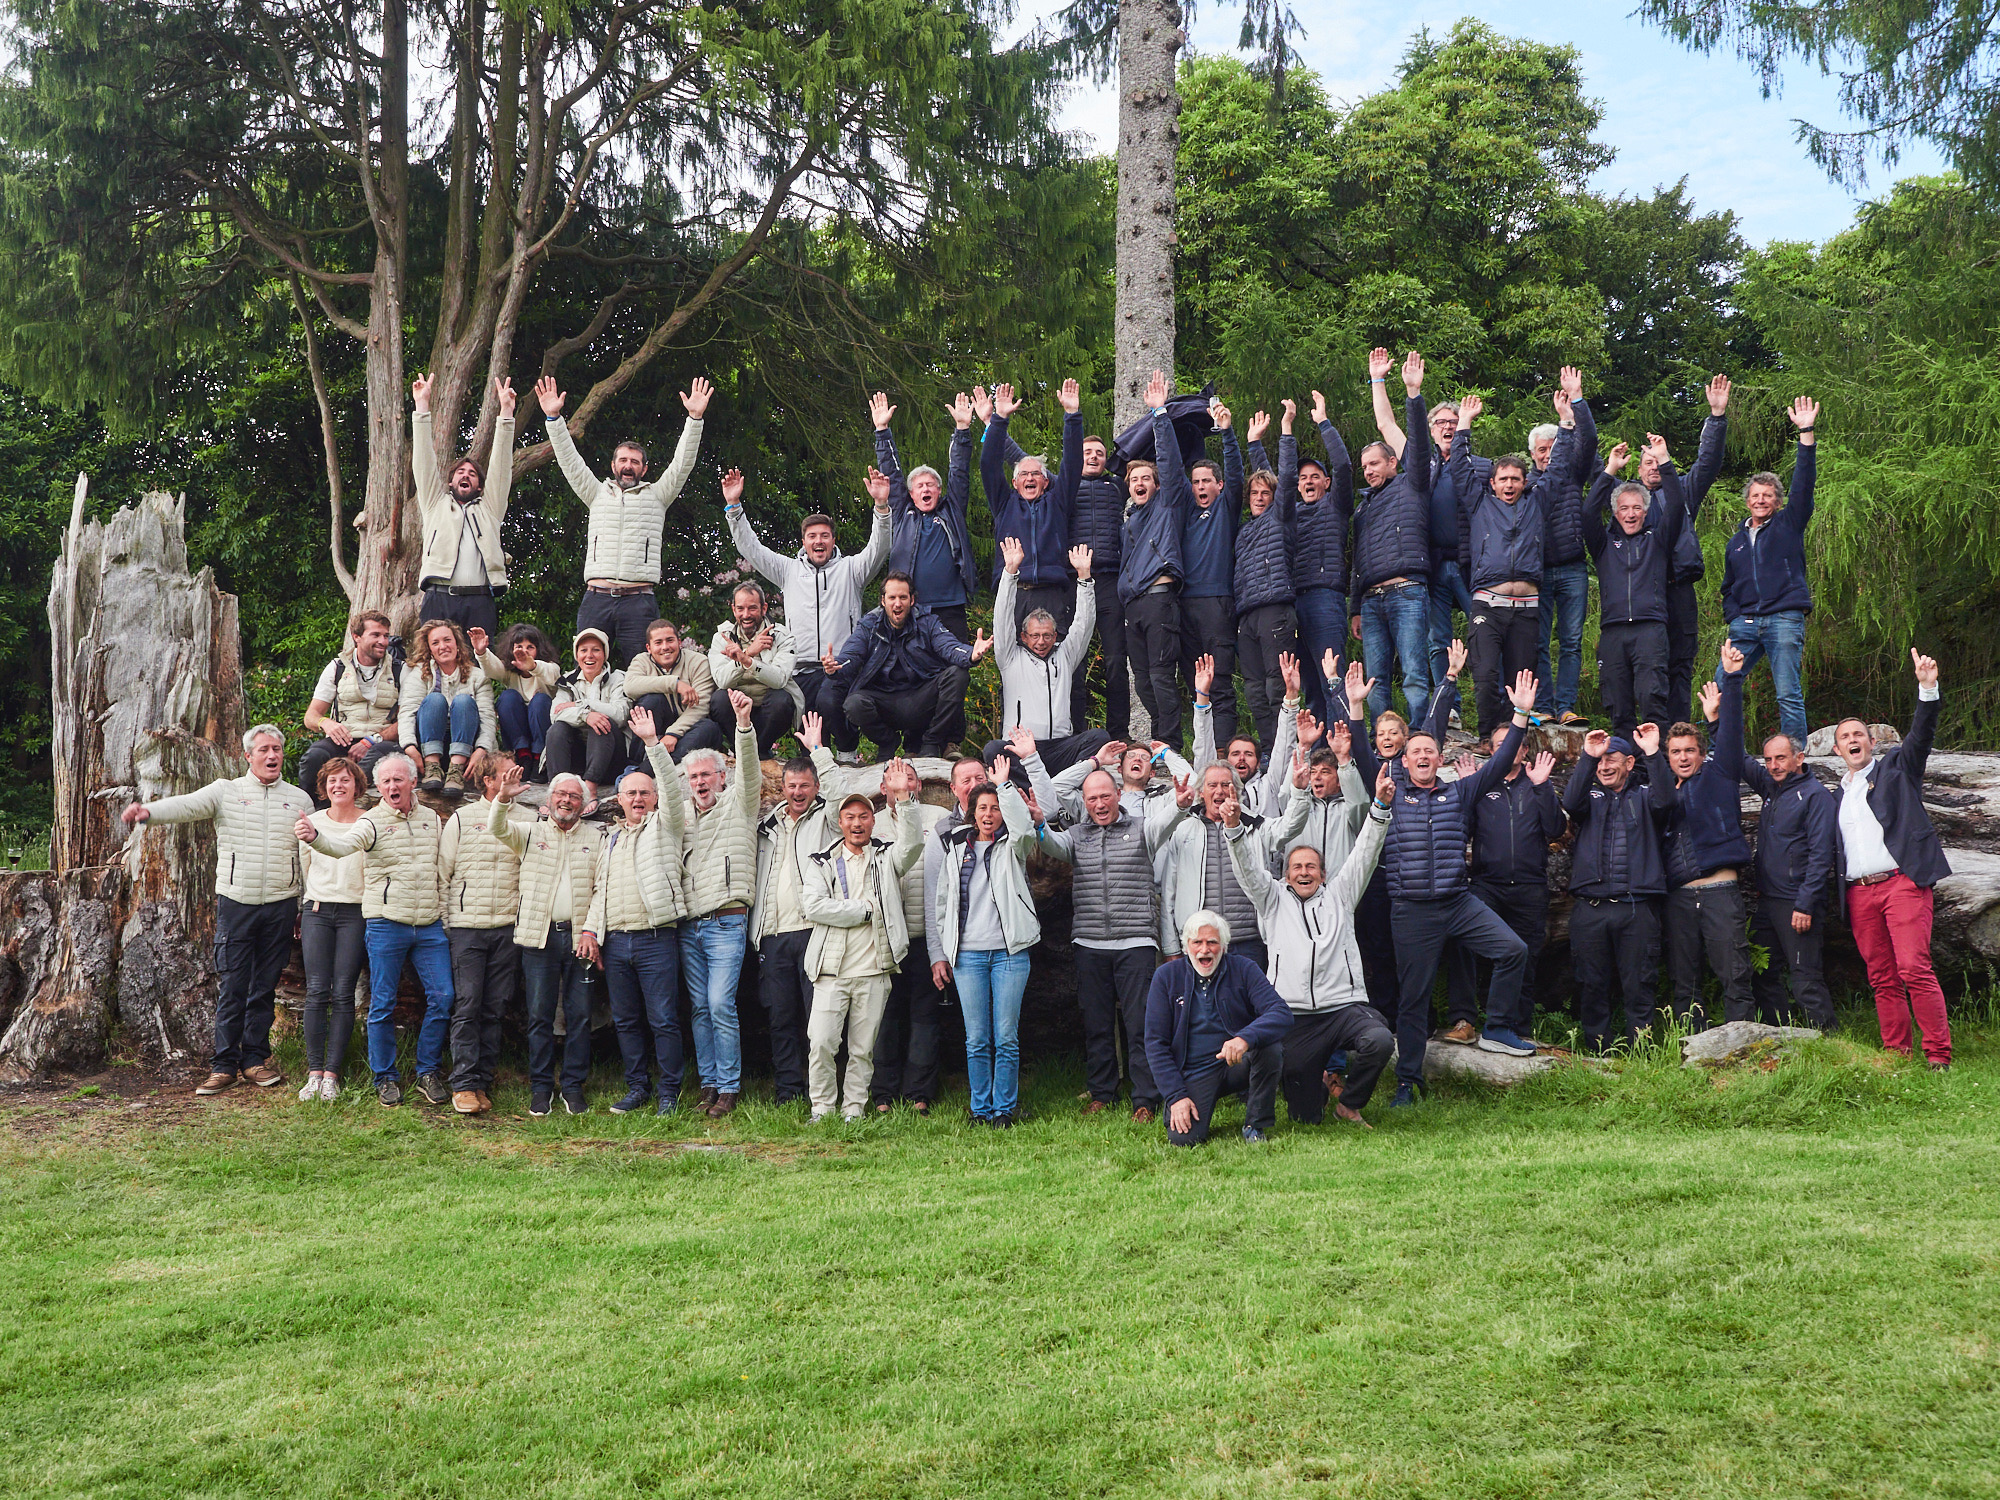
pixel 446 705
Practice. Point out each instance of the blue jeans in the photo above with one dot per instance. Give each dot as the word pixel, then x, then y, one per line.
pixel 990 983
pixel 1782 637
pixel 1322 628
pixel 1565 601
pixel 1396 626
pixel 712 957
pixel 642 977
pixel 389 943
pixel 1448 593
pixel 524 722
pixel 459 717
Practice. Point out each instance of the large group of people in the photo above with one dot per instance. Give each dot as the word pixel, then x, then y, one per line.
pixel 1265 908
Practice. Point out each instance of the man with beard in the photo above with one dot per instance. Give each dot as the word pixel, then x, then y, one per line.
pixel 463 569
pixel 1214 1025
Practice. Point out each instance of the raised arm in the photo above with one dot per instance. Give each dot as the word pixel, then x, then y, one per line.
pixel 1729 757
pixel 1380 363
pixel 775 566
pixel 1076 645
pixel 1359 866
pixel 1253 871
pixel 1593 513
pixel 584 484
pixel 667 487
pixel 875 556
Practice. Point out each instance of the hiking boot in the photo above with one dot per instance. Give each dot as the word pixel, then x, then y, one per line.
pixel 540 1100
pixel 1095 1107
pixel 433 780
pixel 464 1101
pixel 634 1100
pixel 432 1089
pixel 847 757
pixel 263 1075
pixel 1464 1034
pixel 709 1096
pixel 573 1102
pixel 1482 747
pixel 390 1092
pixel 215 1083
pixel 1500 1039
pixel 725 1104
pixel 1939 1067
pixel 1142 1116
pixel 454 781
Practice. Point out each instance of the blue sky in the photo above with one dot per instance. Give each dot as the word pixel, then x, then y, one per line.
pixel 1668 112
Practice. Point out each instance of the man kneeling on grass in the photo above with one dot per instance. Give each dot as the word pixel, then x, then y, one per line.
pixel 1214 1025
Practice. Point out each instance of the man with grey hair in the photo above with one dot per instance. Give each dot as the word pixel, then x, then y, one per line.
pixel 1214 1024
pixel 257 886
pixel 929 537
pixel 1634 557
pixel 1040 512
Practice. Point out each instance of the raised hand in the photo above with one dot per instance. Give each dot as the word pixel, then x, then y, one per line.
pixel 1021 742
pixel 1232 809
pixel 1288 668
pixel 1595 743
pixel 1732 659
pixel 1711 702
pixel 1298 766
pixel 1614 461
pixel 1540 767
pixel 641 722
pixel 1385 785
pixel 899 778
pixel 880 412
pixel 1011 552
pixel 982 404
pixel 550 399
pixel 828 662
pixel 812 731
pixel 1413 373
pixel 695 397
pixel 878 487
pixel 1184 792
pixel 1156 390
pixel 1109 756
pixel 1469 408
pixel 761 642
pixel 1260 423
pixel 1560 400
pixel 1069 397
pixel 509 774
pixel 1005 402
pixel 732 487
pixel 1204 675
pixel 477 636
pixel 1647 738
pixel 1927 669
pixel 1805 416
pixel 741 705
pixel 1079 560
pixel 1656 448
pixel 1454 660
pixel 1001 769
pixel 1379 363
pixel 503 392
pixel 1319 406
pixel 1718 395
pixel 960 408
pixel 981 644
pixel 1342 739
pixel 1329 665
pixel 1572 382
pixel 1310 729
pixel 1358 689
pixel 1464 764
pixel 1522 693
pixel 420 395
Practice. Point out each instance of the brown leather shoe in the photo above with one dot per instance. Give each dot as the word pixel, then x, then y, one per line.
pixel 708 1097
pixel 215 1083
pixel 264 1076
pixel 725 1104
pixel 1095 1107
pixel 1464 1034
pixel 1142 1116
pixel 485 1101
pixel 465 1102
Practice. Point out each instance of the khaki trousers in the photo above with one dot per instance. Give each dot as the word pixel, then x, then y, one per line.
pixel 855 1006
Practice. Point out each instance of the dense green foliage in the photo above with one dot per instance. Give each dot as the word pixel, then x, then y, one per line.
pixel 1653 1283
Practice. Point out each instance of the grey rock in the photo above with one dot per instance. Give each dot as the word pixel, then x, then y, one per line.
pixel 1450 1060
pixel 1737 1041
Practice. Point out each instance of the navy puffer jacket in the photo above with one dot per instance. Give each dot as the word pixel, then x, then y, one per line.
pixel 1319 560
pixel 1572 466
pixel 1392 523
pixel 1266 544
pixel 1425 852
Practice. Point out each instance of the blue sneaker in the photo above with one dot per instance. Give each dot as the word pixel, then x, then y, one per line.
pixel 634 1101
pixel 1406 1096
pixel 1252 1133
pixel 1500 1039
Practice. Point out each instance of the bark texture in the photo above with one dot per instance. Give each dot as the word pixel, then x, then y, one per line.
pixel 147 685
pixel 1149 107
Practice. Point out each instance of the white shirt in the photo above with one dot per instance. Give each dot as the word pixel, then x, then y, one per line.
pixel 330 877
pixel 1860 830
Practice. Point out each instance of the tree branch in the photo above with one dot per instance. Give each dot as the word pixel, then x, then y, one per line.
pixel 335 491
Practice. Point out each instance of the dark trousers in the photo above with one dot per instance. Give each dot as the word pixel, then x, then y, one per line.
pixel 1208 628
pixel 1524 907
pixel 952 617
pixel 333 946
pixel 1256 1078
pixel 1376 939
pixel 1357 1030
pixel 1108 668
pixel 552 975
pixel 574 750
pixel 471 611
pixel 1614 943
pixel 1683 635
pixel 642 973
pixel 827 697
pixel 1059 599
pixel 485 973
pixel 252 946
pixel 624 619
pixel 703 734
pixel 1422 928
pixel 1502 645
pixel 1153 647
pixel 1262 635
pixel 1793 954
pixel 787 996
pixel 906 1045
pixel 1707 920
pixel 921 719
pixel 319 752
pixel 1322 615
pixel 1111 985
pixel 770 719
pixel 1632 675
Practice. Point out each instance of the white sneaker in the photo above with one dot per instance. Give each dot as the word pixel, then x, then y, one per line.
pixel 1453 721
pixel 311 1091
pixel 850 1115
pixel 821 1114
pixel 329 1087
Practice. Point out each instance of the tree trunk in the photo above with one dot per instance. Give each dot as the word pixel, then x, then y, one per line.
pixel 1149 106
pixel 148 702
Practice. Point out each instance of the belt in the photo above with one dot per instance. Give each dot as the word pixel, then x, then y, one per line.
pixel 618 590
pixel 1875 879
pixel 468 591
pixel 734 909
pixel 1507 601
pixel 1165 586
pixel 1391 585
pixel 560 926
pixel 1616 900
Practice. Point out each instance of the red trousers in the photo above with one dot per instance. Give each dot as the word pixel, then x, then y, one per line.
pixel 1892 928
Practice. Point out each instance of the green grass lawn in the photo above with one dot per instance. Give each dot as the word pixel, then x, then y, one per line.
pixel 1659 1283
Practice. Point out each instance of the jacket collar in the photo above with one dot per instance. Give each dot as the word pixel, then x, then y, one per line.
pixel 770 821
